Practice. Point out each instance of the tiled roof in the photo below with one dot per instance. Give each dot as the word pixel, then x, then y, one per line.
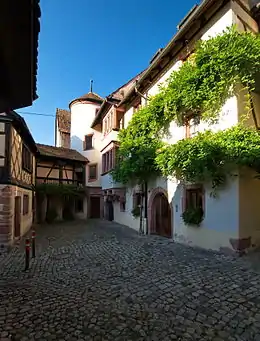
pixel 90 96
pixel 63 120
pixel 60 153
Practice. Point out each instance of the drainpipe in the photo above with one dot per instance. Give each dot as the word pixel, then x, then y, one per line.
pixel 146 206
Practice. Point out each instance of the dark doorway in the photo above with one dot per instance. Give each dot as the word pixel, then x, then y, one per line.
pixel 110 211
pixel 162 215
pixel 94 207
pixel 17 216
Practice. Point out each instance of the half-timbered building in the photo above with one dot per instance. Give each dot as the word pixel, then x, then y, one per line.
pixel 17 177
pixel 63 167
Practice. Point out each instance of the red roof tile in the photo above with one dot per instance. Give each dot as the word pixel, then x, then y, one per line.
pixel 90 96
pixel 60 153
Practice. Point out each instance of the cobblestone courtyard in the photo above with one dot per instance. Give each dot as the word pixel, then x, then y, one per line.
pixel 100 281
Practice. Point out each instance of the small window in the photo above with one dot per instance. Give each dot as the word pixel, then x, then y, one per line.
pixel 194 198
pixel 192 126
pixel 79 205
pixel 137 200
pixel 137 105
pixel 108 160
pixel 26 159
pixel 25 204
pixel 92 172
pixel 88 143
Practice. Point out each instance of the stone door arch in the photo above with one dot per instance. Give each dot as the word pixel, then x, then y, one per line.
pixel 159 213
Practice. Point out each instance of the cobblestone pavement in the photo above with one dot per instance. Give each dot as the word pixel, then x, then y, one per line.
pixel 100 281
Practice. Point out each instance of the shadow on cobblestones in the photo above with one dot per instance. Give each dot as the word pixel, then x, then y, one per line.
pixel 97 280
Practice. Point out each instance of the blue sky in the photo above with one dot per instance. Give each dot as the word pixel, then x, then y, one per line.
pixel 107 41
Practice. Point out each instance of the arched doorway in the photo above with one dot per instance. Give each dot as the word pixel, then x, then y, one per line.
pixel 159 218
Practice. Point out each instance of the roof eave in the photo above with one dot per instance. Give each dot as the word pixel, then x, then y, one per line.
pixel 106 105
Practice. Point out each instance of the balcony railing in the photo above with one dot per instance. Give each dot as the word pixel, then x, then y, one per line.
pixel 43 180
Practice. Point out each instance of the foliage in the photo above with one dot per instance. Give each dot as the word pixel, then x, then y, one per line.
pixel 59 189
pixel 193 216
pixel 211 156
pixel 205 82
pixel 136 212
pixel 200 86
pixel 51 215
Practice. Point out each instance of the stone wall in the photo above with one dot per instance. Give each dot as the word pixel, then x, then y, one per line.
pixel 5 217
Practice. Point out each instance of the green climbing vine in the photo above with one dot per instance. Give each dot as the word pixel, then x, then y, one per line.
pixel 219 69
pixel 60 190
pixel 211 156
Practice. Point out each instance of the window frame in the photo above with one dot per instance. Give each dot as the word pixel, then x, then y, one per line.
pixel 189 192
pixel 188 126
pixel 85 145
pixel 27 161
pixel 90 179
pixel 26 202
pixel 109 160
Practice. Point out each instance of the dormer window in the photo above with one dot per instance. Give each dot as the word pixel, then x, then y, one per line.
pixel 88 142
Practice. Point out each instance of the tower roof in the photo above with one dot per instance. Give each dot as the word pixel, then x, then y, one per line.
pixel 90 96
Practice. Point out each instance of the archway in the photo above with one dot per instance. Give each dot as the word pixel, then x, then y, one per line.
pixel 159 213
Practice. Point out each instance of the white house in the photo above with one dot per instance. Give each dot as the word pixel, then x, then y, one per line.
pixel 230 220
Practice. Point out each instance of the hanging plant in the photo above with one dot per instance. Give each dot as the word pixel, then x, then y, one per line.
pixel 136 212
pixel 193 216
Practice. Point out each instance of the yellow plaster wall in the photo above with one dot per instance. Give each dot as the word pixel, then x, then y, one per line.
pixel 249 206
pixel 26 220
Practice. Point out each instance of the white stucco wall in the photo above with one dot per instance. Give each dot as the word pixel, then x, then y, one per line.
pixel 126 217
pixel 108 183
pixel 82 116
pixel 220 224
pixel 58 138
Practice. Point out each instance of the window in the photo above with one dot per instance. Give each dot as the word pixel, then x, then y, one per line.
pixel 194 197
pixel 88 143
pixel 26 159
pixel 109 160
pixel 25 204
pixel 79 205
pixel 121 123
pixel 92 172
pixel 192 126
pixel 137 200
pixel 137 105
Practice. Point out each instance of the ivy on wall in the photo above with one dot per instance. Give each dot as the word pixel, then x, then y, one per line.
pixel 201 86
pixel 211 156
pixel 60 190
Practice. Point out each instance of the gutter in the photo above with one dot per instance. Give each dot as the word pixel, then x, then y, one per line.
pixel 196 12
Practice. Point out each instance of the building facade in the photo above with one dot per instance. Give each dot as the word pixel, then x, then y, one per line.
pixel 94 126
pixel 17 178
pixel 164 200
pixel 61 168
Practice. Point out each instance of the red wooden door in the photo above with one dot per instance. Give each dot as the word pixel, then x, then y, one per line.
pixel 162 216
pixel 17 216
